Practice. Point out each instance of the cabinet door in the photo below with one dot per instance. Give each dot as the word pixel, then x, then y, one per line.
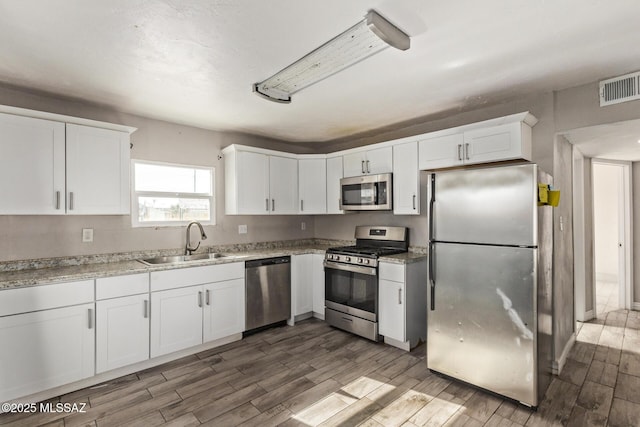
pixel 31 166
pixel 283 185
pixel 45 349
pixel 301 284
pixel 97 171
pixel 253 183
pixel 441 152
pixel 122 332
pixel 224 313
pixel 312 178
pixel 379 160
pixel 334 174
pixel 392 309
pixel 492 144
pixel 354 164
pixel 406 179
pixel 176 319
pixel 318 283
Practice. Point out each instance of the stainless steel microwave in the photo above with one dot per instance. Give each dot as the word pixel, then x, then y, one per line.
pixel 366 193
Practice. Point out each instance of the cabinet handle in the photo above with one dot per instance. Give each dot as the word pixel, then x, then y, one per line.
pixel 414 202
pixel 466 150
pixel 70 200
pixel 362 166
pixel 273 205
pixel 146 309
pixel 400 296
pixel 90 317
pixel 206 297
pixel 459 155
pixel 266 205
pixel 57 200
pixel 199 298
pixel 301 205
pixel 368 171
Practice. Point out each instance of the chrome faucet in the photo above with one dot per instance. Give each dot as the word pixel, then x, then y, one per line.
pixel 188 250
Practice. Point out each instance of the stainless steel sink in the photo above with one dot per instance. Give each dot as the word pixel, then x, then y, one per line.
pixel 179 259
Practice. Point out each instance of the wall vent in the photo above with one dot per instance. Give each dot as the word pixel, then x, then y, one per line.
pixel 620 89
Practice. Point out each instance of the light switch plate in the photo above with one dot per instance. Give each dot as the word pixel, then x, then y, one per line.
pixel 87 235
pixel 242 229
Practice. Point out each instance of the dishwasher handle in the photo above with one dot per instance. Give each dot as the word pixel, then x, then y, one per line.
pixel 267 261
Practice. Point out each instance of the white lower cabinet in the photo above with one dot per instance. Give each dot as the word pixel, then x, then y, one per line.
pixel 224 313
pixel 402 303
pixel 176 319
pixel 301 284
pixel 122 332
pixel 317 270
pixel 45 349
pixel 207 303
pixel 392 309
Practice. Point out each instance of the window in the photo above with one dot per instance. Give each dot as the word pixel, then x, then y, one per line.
pixel 168 194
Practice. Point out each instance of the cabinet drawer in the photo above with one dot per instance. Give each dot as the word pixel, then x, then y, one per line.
pixel 181 277
pixel 24 300
pixel 393 272
pixel 122 286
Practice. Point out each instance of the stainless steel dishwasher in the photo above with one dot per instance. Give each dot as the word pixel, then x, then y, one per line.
pixel 268 291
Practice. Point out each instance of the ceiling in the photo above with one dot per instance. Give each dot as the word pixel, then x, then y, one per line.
pixel 194 61
pixel 615 141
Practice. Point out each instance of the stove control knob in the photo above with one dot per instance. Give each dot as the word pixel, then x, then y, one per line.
pixel 332 257
pixel 360 260
pixel 366 261
pixel 347 258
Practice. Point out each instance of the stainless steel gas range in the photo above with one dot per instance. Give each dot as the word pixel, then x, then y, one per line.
pixel 351 278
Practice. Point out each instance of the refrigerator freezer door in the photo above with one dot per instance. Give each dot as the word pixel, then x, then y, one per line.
pixel 489 205
pixel 483 326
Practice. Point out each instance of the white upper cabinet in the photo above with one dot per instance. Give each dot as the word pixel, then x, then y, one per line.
pixel 252 183
pixel 504 142
pixel 441 151
pixel 376 161
pixel 31 166
pixel 312 185
pixel 406 179
pixel 257 183
pixel 283 185
pixel 506 138
pixel 50 170
pixel 334 175
pixel 97 171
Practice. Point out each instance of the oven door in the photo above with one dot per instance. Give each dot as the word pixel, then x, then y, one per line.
pixel 371 192
pixel 351 289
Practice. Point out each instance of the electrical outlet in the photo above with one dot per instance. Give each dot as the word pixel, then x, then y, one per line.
pixel 87 235
pixel 242 229
pixel 303 225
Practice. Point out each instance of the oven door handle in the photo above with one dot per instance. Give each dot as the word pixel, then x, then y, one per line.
pixel 371 271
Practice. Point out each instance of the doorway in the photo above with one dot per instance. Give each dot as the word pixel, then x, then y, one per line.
pixel 611 223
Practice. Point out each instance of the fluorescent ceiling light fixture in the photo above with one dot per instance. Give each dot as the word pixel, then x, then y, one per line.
pixel 368 37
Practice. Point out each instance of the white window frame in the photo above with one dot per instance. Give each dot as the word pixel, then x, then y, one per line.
pixel 135 194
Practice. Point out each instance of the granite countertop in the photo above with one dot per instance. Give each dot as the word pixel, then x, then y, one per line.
pixel 107 266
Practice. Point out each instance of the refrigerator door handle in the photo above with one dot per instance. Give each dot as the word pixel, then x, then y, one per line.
pixel 432 278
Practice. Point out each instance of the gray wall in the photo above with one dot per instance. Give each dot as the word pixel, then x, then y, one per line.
pixel 563 297
pixel 28 237
pixel 635 171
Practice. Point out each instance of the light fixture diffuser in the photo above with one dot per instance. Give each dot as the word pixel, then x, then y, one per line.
pixel 368 37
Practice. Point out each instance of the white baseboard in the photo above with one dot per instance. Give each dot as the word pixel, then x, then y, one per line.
pixel 406 345
pixel 635 306
pixel 557 365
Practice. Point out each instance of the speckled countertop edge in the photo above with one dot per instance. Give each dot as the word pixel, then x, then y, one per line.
pixel 81 268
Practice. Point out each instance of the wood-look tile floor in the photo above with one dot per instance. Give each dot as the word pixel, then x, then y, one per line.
pixel 312 374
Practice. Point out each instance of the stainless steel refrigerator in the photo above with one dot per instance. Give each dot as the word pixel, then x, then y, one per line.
pixel 489 321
